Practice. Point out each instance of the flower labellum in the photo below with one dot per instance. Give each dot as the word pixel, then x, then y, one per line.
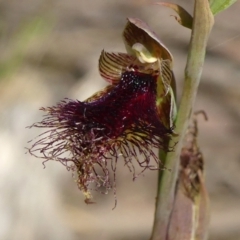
pixel 123 122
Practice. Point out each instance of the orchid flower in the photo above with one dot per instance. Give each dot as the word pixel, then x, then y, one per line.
pixel 123 122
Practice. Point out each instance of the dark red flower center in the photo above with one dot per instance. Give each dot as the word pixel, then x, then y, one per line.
pixel 132 101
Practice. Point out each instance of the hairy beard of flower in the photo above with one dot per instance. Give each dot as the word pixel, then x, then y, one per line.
pixel 91 137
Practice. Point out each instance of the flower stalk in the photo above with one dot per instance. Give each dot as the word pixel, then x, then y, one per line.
pixel 201 28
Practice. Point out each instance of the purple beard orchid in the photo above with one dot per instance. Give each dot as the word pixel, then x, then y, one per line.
pixel 123 122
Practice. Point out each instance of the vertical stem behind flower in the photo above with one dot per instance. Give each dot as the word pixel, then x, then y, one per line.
pixel 202 24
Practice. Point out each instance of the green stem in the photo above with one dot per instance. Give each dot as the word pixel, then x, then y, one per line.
pixel 202 24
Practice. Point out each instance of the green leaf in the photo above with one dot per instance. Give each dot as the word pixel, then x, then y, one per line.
pixel 220 5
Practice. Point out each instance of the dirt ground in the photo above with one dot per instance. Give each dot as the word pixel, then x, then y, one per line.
pixel 49 51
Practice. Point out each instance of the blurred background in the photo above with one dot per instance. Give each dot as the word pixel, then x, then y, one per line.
pixel 49 51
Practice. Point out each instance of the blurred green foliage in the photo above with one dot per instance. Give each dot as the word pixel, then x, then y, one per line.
pixel 14 53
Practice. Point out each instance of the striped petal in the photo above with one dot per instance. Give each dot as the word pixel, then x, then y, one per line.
pixel 112 65
pixel 167 110
pixel 166 75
